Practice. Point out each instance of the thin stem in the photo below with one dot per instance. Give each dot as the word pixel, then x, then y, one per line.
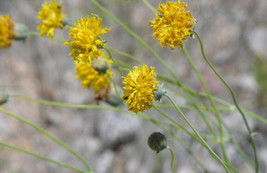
pixel 149 6
pixel 221 109
pixel 42 157
pixel 50 136
pixel 113 59
pixel 70 24
pixel 186 148
pixel 169 148
pixel 140 115
pixel 197 134
pixel 143 116
pixel 124 54
pixel 114 85
pixel 126 65
pixel 160 124
pixel 37 34
pixel 235 102
pixel 176 123
pixel 52 38
pixel 210 98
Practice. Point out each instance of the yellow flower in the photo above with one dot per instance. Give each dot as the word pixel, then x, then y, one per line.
pixel 6 31
pixel 173 24
pixel 85 40
pixel 90 76
pixel 51 15
pixel 139 86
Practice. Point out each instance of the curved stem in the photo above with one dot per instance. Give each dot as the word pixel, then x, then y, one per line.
pixel 211 100
pixel 113 59
pixel 200 138
pixel 50 136
pixel 169 148
pixel 160 124
pixel 42 157
pixel 186 148
pixel 235 102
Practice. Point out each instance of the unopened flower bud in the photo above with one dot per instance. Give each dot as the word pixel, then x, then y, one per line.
pixel 114 98
pixel 3 96
pixel 100 64
pixel 65 21
pixel 157 141
pixel 21 31
pixel 160 91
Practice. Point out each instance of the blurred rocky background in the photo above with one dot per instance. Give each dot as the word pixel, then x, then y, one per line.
pixel 234 34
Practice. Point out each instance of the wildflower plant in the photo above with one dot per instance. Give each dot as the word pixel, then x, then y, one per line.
pixel 95 66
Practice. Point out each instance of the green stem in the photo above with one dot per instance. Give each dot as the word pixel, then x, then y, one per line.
pixel 186 148
pixel 139 39
pixel 169 148
pixel 150 6
pixel 53 38
pixel 231 107
pixel 210 98
pixel 143 116
pixel 50 136
pixel 114 85
pixel 160 124
pixel 140 115
pixel 176 123
pixel 70 24
pixel 42 157
pixel 124 54
pixel 113 59
pixel 197 134
pixel 235 102
pixel 126 65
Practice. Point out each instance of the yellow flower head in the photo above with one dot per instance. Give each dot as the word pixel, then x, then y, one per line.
pixel 139 86
pixel 173 24
pixel 6 31
pixel 51 15
pixel 85 40
pixel 90 76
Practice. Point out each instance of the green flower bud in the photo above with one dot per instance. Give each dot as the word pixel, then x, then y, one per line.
pixel 65 21
pixel 114 99
pixel 3 96
pixel 21 31
pixel 157 141
pixel 160 91
pixel 100 64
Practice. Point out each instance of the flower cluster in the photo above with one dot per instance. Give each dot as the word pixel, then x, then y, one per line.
pixel 52 18
pixel 139 86
pixel 86 45
pixel 173 24
pixel 85 39
pixel 6 31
